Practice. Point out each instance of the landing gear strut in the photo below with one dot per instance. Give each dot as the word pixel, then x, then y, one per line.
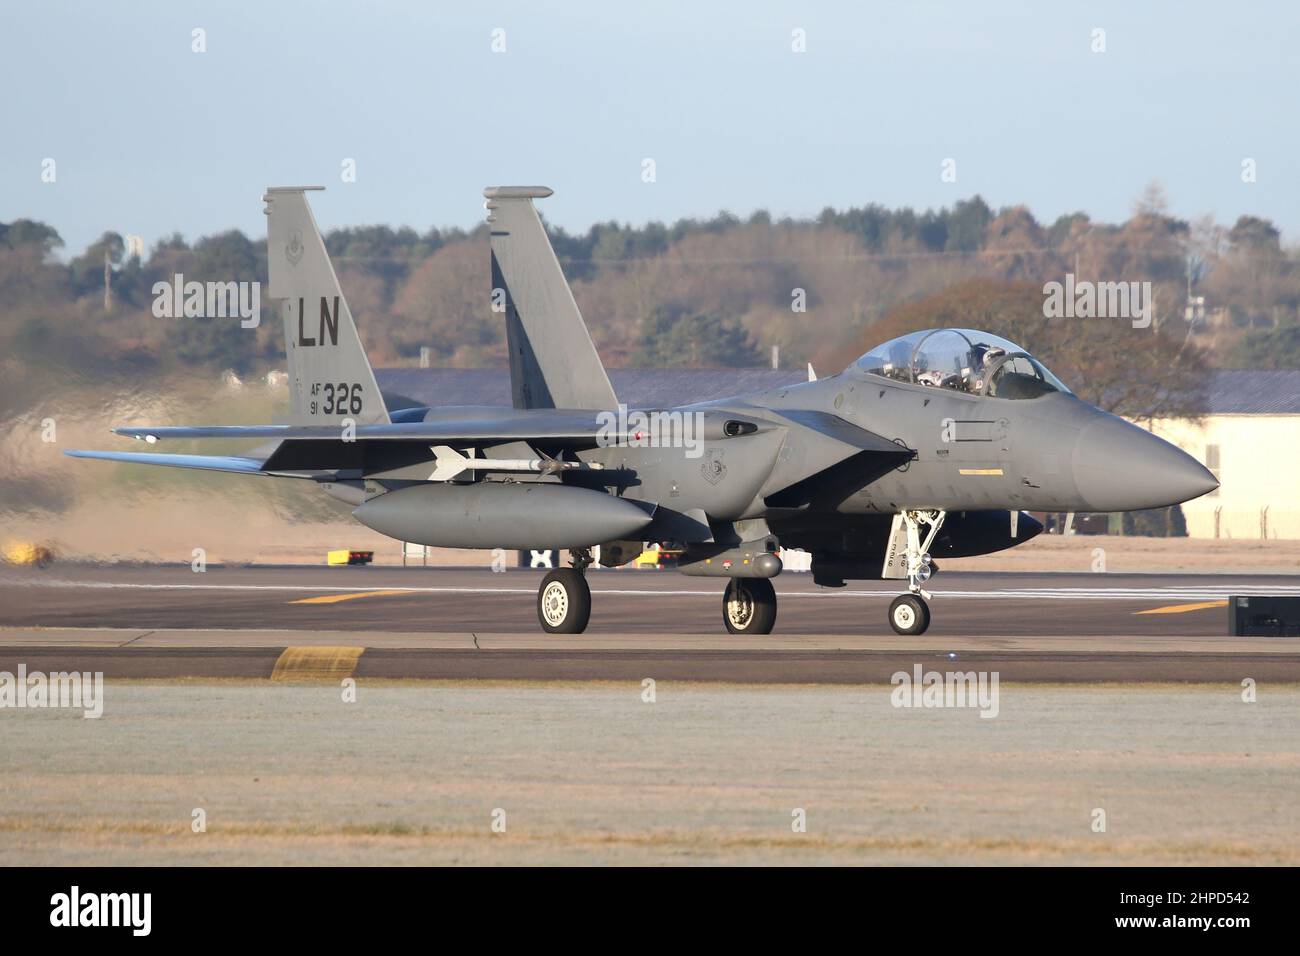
pixel 564 598
pixel 909 614
pixel 749 606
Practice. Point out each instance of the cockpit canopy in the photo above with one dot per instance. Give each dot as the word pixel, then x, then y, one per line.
pixel 964 360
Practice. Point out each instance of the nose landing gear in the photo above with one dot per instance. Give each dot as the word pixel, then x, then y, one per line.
pixel 909 613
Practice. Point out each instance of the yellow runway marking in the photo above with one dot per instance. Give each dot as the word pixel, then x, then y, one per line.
pixel 336 598
pixel 316 663
pixel 1184 608
pixel 979 471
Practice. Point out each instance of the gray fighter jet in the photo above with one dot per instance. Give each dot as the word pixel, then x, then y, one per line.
pixel 932 445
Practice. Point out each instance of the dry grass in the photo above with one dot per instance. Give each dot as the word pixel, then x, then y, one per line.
pixel 707 774
pixel 398 840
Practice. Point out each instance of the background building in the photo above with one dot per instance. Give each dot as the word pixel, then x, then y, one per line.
pixel 1250 439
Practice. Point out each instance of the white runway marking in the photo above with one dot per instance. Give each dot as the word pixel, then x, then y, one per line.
pixel 1186 593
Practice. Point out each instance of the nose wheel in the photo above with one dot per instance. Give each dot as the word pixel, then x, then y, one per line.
pixel 909 614
pixel 749 606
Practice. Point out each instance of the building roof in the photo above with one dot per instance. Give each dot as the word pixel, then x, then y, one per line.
pixel 1231 392
pixel 1255 392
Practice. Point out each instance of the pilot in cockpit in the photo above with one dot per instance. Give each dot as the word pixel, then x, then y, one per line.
pixel 961 360
pixel 969 377
pixel 983 358
pixel 932 376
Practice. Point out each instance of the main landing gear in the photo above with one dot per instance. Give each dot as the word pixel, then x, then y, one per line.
pixel 908 613
pixel 564 598
pixel 749 606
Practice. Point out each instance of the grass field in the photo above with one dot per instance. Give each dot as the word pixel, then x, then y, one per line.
pixel 590 773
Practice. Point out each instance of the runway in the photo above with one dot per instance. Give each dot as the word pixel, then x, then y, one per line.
pixel 655 736
pixel 168 621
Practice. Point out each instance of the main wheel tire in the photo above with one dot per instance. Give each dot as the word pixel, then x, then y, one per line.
pixel 564 602
pixel 749 606
pixel 909 614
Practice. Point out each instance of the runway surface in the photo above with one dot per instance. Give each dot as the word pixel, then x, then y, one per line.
pixel 168 621
pixel 655 736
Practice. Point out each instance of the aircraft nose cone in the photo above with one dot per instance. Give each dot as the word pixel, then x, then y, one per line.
pixel 1120 467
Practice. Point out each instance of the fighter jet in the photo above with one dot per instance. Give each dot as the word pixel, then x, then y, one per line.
pixel 930 446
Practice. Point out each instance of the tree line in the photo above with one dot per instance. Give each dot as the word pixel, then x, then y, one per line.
pixel 703 292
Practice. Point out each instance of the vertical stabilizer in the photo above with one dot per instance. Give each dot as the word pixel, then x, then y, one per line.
pixel 553 362
pixel 330 378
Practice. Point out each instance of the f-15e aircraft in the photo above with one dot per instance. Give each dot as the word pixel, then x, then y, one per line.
pixel 932 445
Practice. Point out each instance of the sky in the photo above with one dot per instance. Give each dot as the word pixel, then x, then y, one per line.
pixel 149 137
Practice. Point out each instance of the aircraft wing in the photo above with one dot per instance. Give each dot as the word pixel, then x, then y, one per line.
pixel 313 450
pixel 242 466
pixel 579 428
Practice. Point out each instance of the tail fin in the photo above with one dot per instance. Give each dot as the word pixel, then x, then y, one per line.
pixel 329 375
pixel 553 362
